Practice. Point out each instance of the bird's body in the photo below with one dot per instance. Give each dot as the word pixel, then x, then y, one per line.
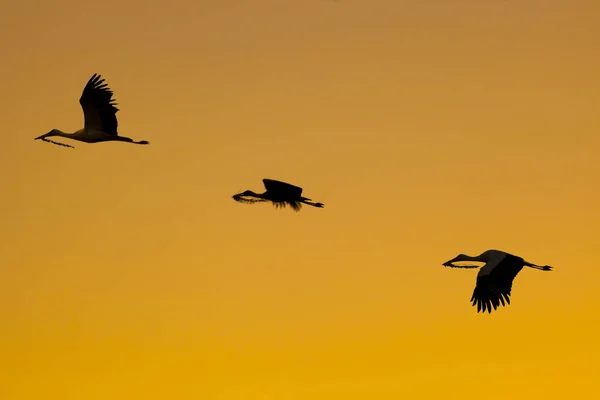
pixel 281 194
pixel 99 110
pixel 495 278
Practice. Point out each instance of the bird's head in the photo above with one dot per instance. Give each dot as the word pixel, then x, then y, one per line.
pixel 459 258
pixel 53 132
pixel 247 196
pixel 243 196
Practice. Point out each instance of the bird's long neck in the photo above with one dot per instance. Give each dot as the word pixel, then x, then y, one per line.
pixel 250 193
pixel 64 134
pixel 464 257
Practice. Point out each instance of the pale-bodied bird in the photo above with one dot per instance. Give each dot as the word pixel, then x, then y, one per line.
pixel 495 278
pixel 99 111
pixel 281 194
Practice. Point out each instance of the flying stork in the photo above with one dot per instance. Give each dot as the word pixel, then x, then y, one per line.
pixel 494 280
pixel 99 111
pixel 281 194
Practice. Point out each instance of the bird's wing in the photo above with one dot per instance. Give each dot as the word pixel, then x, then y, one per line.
pixel 282 189
pixel 98 106
pixel 296 205
pixel 494 283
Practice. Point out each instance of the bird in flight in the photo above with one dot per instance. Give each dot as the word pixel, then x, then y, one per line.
pixel 495 278
pixel 281 194
pixel 99 111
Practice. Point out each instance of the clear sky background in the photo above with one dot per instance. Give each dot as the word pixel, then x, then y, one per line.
pixel 427 127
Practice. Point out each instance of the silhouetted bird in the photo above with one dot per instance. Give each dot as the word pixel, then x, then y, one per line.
pixel 99 113
pixel 279 193
pixel 494 280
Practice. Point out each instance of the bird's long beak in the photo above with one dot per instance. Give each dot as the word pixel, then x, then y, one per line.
pixel 45 135
pixel 449 262
pixel 241 199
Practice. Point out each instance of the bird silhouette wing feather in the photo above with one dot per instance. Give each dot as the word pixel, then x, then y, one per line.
pixel 295 205
pixel 493 288
pixel 99 108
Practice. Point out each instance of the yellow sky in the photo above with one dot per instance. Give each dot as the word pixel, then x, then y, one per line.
pixel 427 127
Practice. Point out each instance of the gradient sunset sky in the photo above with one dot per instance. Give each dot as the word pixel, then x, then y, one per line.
pixel 428 128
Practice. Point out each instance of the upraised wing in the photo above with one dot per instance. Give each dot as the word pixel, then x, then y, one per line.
pixel 282 189
pixel 494 285
pixel 99 108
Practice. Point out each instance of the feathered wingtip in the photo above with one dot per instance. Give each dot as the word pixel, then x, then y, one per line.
pixel 295 205
pixel 240 198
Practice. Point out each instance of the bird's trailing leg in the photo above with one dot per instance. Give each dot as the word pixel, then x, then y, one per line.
pixel 126 139
pixel 540 267
pixel 310 203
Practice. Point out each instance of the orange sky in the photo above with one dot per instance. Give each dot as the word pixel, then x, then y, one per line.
pixel 427 127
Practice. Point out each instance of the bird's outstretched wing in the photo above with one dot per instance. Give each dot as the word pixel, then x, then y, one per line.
pixel 494 287
pixel 282 189
pixel 99 108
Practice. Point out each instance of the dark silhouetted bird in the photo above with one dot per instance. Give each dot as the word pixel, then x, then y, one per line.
pixel 281 194
pixel 495 278
pixel 99 113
